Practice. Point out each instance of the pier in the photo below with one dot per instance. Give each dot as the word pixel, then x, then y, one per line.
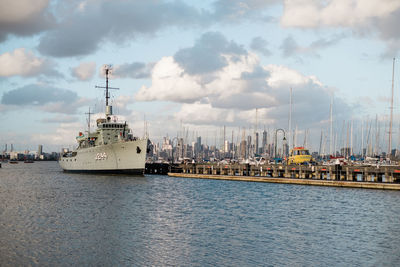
pixel 373 177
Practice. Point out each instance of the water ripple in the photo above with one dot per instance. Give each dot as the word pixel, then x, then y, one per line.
pixel 51 218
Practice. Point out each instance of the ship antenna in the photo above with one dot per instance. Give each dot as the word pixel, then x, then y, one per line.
pixel 89 113
pixel 107 69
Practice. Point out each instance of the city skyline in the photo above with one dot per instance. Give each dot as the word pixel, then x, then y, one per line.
pixel 198 66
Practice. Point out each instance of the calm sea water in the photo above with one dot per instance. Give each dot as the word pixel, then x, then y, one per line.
pixel 51 218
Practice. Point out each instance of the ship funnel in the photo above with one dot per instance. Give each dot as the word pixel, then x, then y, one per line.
pixel 108 110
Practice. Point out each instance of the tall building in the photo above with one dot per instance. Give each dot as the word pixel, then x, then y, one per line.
pixel 256 145
pixel 40 150
pixel 226 147
pixel 198 144
pixel 180 148
pixel 243 148
pixel 264 141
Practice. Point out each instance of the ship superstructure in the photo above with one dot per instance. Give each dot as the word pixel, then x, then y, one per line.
pixel 111 148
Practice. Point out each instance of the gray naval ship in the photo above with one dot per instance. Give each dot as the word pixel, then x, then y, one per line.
pixel 112 148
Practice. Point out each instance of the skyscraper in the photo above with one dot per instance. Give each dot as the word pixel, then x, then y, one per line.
pixel 264 141
pixel 256 145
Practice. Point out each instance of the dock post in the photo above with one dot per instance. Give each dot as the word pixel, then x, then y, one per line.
pixel 349 177
pixel 316 173
pixel 388 176
pixel 365 175
pixel 287 173
pixel 274 171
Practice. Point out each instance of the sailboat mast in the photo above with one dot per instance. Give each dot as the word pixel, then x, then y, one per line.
pixel 391 114
pixel 331 130
pixel 290 119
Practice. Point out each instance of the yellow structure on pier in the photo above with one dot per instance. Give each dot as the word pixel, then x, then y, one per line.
pixel 299 155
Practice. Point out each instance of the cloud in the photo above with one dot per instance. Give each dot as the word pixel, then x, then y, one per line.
pixel 85 71
pixel 208 54
pixel 25 63
pixel 47 98
pixel 85 28
pixel 232 11
pixel 66 107
pixel 170 83
pixel 135 70
pixel 230 94
pixel 121 104
pixel 64 135
pixel 23 18
pixel 362 17
pixel 60 119
pixel 205 114
pixel 290 47
pixel 259 44
pixel 335 13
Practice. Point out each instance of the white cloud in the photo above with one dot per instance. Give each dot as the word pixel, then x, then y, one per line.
pixel 85 71
pixel 23 63
pixel 205 114
pixel 229 96
pixel 281 76
pixel 374 18
pixel 170 83
pixel 199 113
pixel 335 13
pixel 64 135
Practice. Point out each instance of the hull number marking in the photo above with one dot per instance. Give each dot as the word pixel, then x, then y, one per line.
pixel 101 156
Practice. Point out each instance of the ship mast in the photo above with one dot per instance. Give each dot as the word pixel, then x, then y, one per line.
pixel 107 69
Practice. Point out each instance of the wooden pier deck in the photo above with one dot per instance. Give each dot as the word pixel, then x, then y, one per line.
pixel 382 177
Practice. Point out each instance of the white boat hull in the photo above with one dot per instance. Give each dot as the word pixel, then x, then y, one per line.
pixel 121 157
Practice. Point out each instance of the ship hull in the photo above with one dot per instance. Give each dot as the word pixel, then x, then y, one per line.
pixel 117 158
pixel 127 171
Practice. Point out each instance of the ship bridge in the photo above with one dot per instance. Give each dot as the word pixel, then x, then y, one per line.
pixel 114 125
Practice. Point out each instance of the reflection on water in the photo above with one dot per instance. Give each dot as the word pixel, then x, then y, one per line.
pixel 48 217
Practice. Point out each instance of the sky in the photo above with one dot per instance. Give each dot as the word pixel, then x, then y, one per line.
pixel 188 68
